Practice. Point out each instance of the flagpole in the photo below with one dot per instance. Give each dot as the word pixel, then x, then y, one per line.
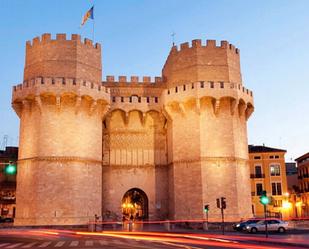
pixel 92 20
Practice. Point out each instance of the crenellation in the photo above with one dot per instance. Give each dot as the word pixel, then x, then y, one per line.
pixel 88 42
pixel 122 79
pixel 184 45
pixel 146 79
pixel 134 79
pixel 232 47
pixel 76 37
pixel 197 43
pixel 224 44
pixel 211 43
pixel 158 80
pixel 110 78
pixel 61 37
pixel 46 37
pixel 36 41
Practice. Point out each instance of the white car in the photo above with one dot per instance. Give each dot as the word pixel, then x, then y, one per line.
pixel 272 225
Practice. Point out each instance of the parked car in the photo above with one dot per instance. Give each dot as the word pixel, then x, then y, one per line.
pixel 241 226
pixel 272 225
pixel 6 219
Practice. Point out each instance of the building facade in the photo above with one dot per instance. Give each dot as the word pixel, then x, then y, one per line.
pixel 302 198
pixel 268 173
pixel 8 161
pixel 121 147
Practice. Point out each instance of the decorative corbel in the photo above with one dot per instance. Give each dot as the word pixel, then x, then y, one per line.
pixel 182 109
pixel 198 106
pixel 166 111
pixel 18 108
pixel 78 104
pixel 143 118
pixel 38 101
pixel 216 106
pixel 58 102
pixel 126 118
pixel 104 110
pixel 93 107
pixel 242 109
pixel 249 111
pixel 234 104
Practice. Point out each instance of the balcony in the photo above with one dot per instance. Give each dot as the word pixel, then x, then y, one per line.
pixel 257 176
pixel 7 185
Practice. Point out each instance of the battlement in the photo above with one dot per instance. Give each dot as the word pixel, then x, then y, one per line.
pixel 58 86
pixel 47 37
pixel 197 61
pixel 133 81
pixel 209 44
pixel 62 57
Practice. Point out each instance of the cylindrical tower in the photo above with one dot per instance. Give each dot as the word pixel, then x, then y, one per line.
pixel 60 104
pixel 207 107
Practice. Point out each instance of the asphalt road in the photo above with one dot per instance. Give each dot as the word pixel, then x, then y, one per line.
pixel 60 239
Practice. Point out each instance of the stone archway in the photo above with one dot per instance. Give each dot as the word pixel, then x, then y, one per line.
pixel 135 204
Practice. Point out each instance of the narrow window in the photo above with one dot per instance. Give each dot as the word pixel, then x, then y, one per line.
pixel 139 99
pixel 184 87
pixel 147 99
pixel 192 86
pixel 122 99
pixel 212 84
pixel 114 99
pixel 202 84
pixel 130 99
pixel 258 171
pixel 275 170
pixel 176 89
pixel 221 84
pixel 259 188
pixel 156 99
pixel 273 189
pixel 168 91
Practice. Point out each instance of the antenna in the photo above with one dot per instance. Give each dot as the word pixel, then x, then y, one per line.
pixel 4 142
pixel 173 38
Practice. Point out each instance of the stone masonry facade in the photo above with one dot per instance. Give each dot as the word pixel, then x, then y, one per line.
pixel 180 138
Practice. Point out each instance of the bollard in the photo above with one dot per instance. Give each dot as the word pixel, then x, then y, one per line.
pixel 167 226
pixel 205 226
pixel 130 225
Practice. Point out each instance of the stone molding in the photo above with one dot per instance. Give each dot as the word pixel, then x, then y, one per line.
pixel 61 159
pixel 124 166
pixel 211 159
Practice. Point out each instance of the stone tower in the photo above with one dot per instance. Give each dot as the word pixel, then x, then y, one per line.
pixel 207 108
pixel 61 104
pixel 175 142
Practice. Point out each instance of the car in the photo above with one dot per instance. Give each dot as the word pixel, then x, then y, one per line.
pixel 6 219
pixel 272 225
pixel 241 226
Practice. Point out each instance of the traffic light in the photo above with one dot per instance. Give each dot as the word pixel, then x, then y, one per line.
pixel 223 203
pixel 264 199
pixel 218 203
pixel 206 208
pixel 10 169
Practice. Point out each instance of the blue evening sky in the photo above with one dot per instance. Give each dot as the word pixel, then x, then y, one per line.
pixel 273 38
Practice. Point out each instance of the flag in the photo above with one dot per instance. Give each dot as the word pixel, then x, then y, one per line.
pixel 89 14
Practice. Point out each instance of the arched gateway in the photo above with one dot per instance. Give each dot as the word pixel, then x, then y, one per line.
pixel 135 204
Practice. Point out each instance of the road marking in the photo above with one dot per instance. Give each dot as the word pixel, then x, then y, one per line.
pixel 89 243
pixel 4 244
pixel 59 244
pixel 14 245
pixel 74 243
pixel 45 244
pixel 29 245
pixel 103 242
